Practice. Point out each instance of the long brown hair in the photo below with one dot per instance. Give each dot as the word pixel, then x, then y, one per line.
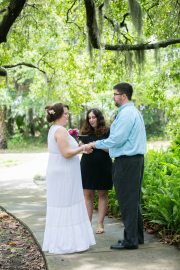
pixel 55 111
pixel 87 129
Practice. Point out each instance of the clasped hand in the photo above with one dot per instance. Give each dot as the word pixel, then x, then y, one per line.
pixel 92 144
pixel 88 147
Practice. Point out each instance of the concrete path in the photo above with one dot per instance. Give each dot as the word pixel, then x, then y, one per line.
pixel 27 201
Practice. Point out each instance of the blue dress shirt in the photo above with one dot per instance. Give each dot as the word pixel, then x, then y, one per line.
pixel 127 133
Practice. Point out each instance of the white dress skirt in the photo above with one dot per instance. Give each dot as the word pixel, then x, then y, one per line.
pixel 68 228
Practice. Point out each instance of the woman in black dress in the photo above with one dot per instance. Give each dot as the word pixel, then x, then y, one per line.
pixel 96 168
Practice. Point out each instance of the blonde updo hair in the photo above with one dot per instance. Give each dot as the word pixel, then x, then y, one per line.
pixel 55 111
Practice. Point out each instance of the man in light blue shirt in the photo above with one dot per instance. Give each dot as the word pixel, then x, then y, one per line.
pixel 127 144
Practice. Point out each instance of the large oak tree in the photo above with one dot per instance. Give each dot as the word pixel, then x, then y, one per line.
pixel 119 25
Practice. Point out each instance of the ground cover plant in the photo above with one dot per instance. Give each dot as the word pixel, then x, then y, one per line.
pixel 161 194
pixel 161 188
pixel 18 249
pixel 160 198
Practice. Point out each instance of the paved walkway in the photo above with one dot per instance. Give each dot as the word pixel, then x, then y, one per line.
pixel 27 201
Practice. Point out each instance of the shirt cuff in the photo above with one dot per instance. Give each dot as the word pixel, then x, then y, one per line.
pixel 97 144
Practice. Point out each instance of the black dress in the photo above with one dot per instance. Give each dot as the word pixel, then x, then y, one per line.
pixel 96 168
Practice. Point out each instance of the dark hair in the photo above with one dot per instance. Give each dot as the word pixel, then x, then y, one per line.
pixel 124 88
pixel 57 111
pixel 87 129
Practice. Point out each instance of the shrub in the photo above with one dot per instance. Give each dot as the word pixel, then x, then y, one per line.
pixel 161 189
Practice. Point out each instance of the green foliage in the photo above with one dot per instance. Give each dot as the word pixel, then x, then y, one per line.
pixel 113 205
pixel 19 143
pixel 161 188
pixel 52 36
pixel 96 198
pixel 153 119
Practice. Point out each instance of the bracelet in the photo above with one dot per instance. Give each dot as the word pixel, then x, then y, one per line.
pixel 83 148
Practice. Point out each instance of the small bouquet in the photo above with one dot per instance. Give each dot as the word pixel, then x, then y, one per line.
pixel 73 133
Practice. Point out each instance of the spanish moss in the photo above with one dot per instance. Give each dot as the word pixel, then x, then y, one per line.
pixel 117 58
pixel 106 5
pixel 157 56
pixel 7 80
pixel 117 30
pixel 136 15
pixel 99 65
pixel 129 63
pixel 90 48
pixel 140 59
pixel 101 19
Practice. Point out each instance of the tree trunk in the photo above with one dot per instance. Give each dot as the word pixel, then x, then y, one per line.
pixel 10 122
pixel 137 100
pixel 31 122
pixel 69 120
pixel 92 25
pixel 3 137
pixel 13 11
pixel 82 118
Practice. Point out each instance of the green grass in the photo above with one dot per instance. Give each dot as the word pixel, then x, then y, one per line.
pixel 19 144
pixel 10 160
pixel 30 149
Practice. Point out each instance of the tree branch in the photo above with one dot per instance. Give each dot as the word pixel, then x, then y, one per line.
pixel 101 6
pixel 42 57
pixel 3 72
pixel 3 10
pixel 24 64
pixel 13 11
pixel 92 26
pixel 54 71
pixel 123 24
pixel 31 5
pixel 70 10
pixel 154 5
pixel 48 65
pixel 127 39
pixel 109 20
pixel 80 28
pixel 138 47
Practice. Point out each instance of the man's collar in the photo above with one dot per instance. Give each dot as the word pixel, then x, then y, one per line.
pixel 127 104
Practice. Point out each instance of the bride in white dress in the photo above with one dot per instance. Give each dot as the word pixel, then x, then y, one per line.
pixel 68 228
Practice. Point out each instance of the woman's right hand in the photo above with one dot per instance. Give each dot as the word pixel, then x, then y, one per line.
pixel 87 147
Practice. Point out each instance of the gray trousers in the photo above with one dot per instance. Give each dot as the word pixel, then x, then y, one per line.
pixel 127 179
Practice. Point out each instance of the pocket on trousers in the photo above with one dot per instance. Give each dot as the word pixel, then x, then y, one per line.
pixel 120 166
pixel 117 170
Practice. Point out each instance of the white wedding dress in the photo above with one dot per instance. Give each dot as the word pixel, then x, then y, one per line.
pixel 68 228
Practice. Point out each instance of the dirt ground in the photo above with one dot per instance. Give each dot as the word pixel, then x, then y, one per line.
pixel 18 249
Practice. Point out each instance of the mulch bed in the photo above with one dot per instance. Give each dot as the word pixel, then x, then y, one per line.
pixel 167 236
pixel 18 249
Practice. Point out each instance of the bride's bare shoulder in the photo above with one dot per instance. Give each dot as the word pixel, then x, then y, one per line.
pixel 61 130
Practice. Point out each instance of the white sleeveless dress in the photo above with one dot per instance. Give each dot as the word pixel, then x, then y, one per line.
pixel 68 228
